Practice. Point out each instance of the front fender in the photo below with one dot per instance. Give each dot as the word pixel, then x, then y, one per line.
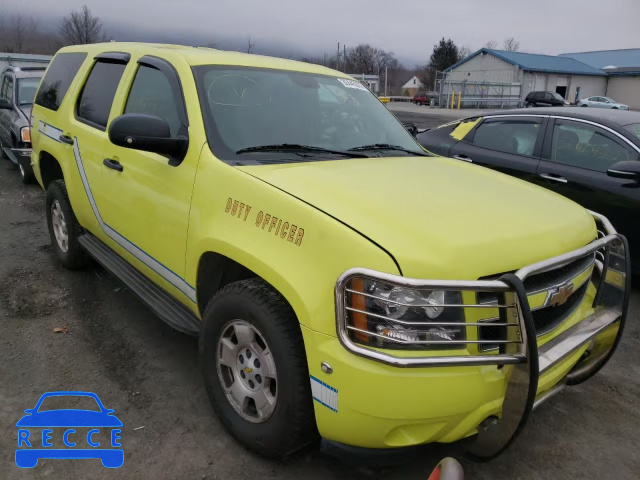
pixel 301 253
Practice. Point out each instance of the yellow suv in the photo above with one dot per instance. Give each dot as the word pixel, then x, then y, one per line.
pixel 342 281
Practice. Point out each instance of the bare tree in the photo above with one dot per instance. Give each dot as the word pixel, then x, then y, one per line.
pixel 18 33
pixel 491 44
pixel 369 60
pixel 464 52
pixel 81 27
pixel 511 44
pixel 250 45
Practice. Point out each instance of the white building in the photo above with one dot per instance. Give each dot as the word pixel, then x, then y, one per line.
pixel 23 60
pixel 526 72
pixel 372 82
pixel 623 72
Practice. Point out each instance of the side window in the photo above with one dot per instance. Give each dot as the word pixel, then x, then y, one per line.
pixel 586 146
pixel 151 93
pixel 6 90
pixel 58 79
pixel 517 136
pixel 97 94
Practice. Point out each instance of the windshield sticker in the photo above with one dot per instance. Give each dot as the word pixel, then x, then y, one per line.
pixel 352 84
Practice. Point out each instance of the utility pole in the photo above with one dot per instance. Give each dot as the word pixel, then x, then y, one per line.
pixel 338 58
pixel 344 58
pixel 386 75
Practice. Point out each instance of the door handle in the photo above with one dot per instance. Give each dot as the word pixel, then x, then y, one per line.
pixel 553 178
pixel 113 164
pixel 66 139
pixel 464 158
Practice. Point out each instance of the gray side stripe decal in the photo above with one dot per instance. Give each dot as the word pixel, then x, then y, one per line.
pixel 136 251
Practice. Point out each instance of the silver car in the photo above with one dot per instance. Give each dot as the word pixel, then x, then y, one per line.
pixel 18 88
pixel 602 102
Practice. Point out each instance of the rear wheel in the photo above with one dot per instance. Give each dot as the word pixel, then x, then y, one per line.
pixel 64 229
pixel 255 369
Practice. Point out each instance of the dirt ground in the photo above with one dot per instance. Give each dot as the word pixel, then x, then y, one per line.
pixel 149 374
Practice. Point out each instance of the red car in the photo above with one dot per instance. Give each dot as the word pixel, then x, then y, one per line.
pixel 420 98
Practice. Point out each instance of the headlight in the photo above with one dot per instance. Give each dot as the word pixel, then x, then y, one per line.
pixel 384 315
pixel 25 134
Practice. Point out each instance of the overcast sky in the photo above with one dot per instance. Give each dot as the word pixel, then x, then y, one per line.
pixel 409 28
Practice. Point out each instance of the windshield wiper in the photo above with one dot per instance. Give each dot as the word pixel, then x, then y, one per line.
pixel 288 147
pixel 386 146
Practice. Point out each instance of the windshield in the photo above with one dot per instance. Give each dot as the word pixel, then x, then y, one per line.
pixel 607 99
pixel 557 96
pixel 253 107
pixel 27 88
pixel 635 129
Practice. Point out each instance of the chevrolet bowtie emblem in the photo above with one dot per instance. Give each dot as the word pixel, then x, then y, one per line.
pixel 561 294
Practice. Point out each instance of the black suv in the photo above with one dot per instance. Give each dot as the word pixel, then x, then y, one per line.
pixel 18 86
pixel 545 99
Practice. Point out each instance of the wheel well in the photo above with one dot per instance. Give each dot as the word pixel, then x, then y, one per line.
pixel 50 169
pixel 214 272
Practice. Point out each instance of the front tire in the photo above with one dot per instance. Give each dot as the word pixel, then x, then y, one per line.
pixel 530 105
pixel 26 173
pixel 64 228
pixel 255 369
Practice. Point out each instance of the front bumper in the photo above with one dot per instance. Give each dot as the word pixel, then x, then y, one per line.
pixel 445 398
pixel 18 155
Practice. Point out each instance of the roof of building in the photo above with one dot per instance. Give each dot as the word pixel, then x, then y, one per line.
pixel 534 62
pixel 25 57
pixel 625 61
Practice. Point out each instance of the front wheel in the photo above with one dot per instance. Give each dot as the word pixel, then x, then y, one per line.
pixel 26 173
pixel 255 369
pixel 584 105
pixel 530 105
pixel 64 229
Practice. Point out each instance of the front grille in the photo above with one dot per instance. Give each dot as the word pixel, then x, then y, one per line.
pixel 545 318
pixel 557 276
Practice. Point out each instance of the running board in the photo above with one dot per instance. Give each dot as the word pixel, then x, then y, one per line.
pixel 160 302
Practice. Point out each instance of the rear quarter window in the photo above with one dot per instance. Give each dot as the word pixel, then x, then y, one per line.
pixel 58 78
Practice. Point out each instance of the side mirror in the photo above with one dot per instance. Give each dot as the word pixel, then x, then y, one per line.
pixel 146 132
pixel 5 104
pixel 411 128
pixel 629 169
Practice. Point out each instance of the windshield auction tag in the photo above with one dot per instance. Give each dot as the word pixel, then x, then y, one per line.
pixel 352 84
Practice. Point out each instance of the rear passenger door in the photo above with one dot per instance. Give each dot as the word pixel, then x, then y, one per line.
pixel 89 127
pixel 577 156
pixel 509 144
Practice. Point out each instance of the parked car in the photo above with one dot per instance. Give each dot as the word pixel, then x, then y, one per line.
pixel 18 86
pixel 590 156
pixel 279 211
pixel 420 98
pixel 544 99
pixel 602 102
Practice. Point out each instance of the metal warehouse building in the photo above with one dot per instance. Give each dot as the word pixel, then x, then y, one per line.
pixel 495 77
pixel 623 72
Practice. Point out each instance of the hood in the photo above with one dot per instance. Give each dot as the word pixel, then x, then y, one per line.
pixel 439 218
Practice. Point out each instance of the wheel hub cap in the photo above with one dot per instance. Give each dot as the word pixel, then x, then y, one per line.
pixel 59 226
pixel 247 371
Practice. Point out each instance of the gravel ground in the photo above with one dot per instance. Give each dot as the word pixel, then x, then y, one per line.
pixel 149 374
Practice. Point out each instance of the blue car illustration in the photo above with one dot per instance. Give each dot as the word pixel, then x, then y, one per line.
pixel 102 437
